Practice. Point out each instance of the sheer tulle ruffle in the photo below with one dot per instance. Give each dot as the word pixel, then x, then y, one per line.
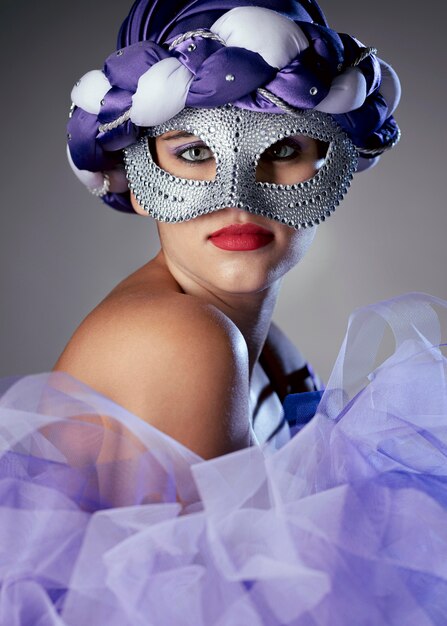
pixel 106 520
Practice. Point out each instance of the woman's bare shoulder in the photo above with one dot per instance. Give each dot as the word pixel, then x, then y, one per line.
pixel 148 319
pixel 170 358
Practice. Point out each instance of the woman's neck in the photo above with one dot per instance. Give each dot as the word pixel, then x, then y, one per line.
pixel 250 312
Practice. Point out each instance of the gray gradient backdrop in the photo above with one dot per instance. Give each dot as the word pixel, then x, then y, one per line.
pixel 62 250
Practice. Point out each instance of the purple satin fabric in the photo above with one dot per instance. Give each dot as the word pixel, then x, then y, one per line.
pixel 367 121
pixel 204 49
pixel 115 101
pixel 161 21
pixel 211 88
pixel 119 202
pixel 369 66
pixel 327 45
pixel 256 102
pixel 118 138
pixel 294 83
pixel 124 67
pixel 88 154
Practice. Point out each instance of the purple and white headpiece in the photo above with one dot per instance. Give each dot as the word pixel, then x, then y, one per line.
pixel 253 57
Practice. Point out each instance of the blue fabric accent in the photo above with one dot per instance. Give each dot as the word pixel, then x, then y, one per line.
pixel 299 408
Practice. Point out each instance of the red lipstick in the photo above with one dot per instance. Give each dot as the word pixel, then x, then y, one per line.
pixel 241 237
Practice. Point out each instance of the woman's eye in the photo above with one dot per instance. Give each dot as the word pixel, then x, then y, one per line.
pixel 196 153
pixel 281 151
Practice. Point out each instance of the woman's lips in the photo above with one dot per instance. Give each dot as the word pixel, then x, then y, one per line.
pixel 241 237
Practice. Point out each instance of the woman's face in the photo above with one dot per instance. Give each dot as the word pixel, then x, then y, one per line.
pixel 256 251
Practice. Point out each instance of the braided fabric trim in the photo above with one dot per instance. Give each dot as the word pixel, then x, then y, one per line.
pixel 102 191
pixel 365 53
pixel 200 32
pixel 276 100
pixel 104 128
pixel 373 152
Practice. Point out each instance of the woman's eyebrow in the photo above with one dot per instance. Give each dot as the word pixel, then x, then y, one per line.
pixel 178 135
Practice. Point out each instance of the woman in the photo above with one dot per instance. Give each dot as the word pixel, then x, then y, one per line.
pixel 211 68
pixel 144 464
pixel 217 277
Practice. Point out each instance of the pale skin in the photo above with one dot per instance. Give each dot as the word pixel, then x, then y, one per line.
pixel 178 341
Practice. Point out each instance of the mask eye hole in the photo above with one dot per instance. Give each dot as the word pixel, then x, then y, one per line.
pixel 183 155
pixel 291 160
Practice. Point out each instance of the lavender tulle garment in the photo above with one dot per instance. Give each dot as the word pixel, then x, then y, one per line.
pixel 106 520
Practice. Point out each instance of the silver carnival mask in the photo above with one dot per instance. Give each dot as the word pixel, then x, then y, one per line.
pixel 238 138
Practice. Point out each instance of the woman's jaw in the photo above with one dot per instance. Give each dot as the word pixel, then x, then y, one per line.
pixel 230 252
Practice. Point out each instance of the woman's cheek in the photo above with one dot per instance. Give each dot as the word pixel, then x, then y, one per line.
pixel 299 243
pixel 181 241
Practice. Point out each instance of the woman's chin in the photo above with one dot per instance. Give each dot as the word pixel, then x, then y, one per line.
pixel 243 283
